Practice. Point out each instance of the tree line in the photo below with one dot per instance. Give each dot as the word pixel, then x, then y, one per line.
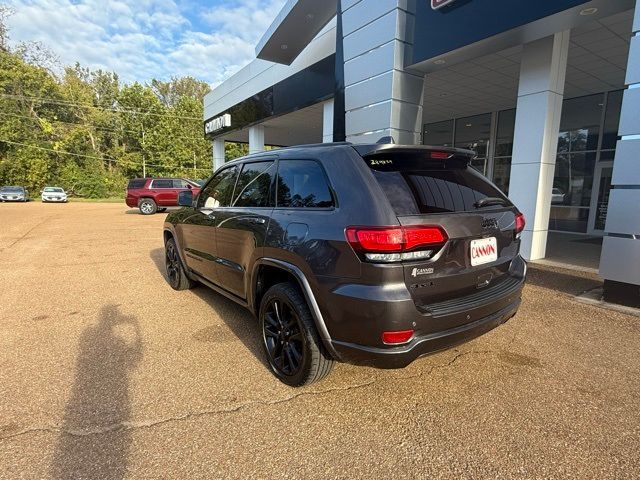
pixel 86 131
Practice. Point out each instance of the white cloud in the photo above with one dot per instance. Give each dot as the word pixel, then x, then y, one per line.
pixel 147 39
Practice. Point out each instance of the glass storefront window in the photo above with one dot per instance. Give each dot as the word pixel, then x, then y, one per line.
pixel 580 123
pixel 573 179
pixel 612 120
pixel 502 173
pixel 439 134
pixel 505 132
pixel 473 133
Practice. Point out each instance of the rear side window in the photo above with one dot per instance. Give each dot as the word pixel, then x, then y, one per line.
pixel 162 183
pixel 254 185
pixel 219 190
pixel 137 183
pixel 302 184
pixel 413 187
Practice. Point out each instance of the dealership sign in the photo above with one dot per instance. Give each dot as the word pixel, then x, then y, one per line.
pixel 436 4
pixel 217 123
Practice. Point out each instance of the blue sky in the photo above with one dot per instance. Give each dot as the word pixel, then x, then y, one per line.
pixel 144 39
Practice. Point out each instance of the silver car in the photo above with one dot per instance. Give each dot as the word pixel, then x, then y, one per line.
pixel 14 194
pixel 54 194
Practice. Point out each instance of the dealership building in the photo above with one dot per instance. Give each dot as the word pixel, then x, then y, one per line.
pixel 544 91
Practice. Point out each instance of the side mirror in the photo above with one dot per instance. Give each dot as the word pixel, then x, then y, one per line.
pixel 185 198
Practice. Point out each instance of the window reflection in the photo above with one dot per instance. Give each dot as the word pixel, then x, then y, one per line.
pixel 473 133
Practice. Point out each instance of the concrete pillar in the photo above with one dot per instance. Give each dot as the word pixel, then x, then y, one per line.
pixel 218 153
pixel 535 142
pixel 381 98
pixel 620 259
pixel 327 122
pixel 256 139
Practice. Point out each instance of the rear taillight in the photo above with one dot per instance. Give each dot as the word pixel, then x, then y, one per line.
pixel 394 244
pixel 397 338
pixel 520 223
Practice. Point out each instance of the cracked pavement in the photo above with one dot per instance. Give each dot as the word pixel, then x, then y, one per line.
pixel 105 372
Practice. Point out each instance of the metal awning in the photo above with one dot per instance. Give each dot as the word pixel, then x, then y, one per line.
pixel 296 25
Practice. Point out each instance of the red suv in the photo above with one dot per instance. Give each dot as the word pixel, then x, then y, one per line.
pixel 153 195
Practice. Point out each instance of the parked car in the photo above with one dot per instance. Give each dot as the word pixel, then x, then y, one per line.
pixel 369 254
pixel 54 194
pixel 14 194
pixel 557 196
pixel 153 195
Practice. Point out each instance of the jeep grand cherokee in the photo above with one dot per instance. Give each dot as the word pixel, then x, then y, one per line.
pixel 369 254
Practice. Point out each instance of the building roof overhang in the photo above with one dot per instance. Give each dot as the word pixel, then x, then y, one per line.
pixel 294 28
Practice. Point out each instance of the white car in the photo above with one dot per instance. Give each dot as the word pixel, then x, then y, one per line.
pixel 54 194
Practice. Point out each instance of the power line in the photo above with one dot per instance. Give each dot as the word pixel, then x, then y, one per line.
pixel 107 159
pixel 72 104
pixel 115 130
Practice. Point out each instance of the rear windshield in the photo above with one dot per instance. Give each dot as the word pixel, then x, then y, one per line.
pixel 414 186
pixel 137 183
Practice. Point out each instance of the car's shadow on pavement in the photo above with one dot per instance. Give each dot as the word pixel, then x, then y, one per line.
pixel 94 440
pixel 239 320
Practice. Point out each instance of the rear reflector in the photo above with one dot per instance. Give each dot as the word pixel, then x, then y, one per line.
pixel 520 222
pixel 394 239
pixel 396 338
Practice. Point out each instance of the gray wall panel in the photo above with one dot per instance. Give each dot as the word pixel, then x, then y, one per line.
pixel 347 4
pixel 370 91
pixel 620 259
pixel 365 13
pixel 373 63
pixel 623 214
pixel 375 117
pixel 627 163
pixel 373 35
pixel 633 68
pixel 630 116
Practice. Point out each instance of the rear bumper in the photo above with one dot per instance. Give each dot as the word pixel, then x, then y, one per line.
pixel 358 317
pixel 399 357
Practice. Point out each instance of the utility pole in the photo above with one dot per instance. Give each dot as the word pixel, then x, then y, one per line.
pixel 144 161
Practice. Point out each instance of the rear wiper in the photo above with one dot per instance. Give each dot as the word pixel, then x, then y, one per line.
pixel 487 201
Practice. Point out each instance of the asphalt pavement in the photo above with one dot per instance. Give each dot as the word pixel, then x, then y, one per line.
pixel 106 372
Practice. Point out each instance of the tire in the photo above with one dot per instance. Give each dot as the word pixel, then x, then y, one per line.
pixel 176 273
pixel 285 317
pixel 147 206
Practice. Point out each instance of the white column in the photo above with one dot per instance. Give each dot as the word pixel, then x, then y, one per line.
pixel 327 122
pixel 535 142
pixel 620 259
pixel 218 153
pixel 256 139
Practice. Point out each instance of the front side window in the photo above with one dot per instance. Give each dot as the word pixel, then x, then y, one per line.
pixel 302 184
pixel 254 185
pixel 162 183
pixel 219 190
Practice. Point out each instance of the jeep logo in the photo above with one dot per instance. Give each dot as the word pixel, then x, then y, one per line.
pixel 489 223
pixel 436 4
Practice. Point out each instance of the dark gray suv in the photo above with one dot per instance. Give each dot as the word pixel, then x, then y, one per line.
pixel 368 254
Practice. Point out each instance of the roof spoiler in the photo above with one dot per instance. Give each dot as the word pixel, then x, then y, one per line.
pixel 430 152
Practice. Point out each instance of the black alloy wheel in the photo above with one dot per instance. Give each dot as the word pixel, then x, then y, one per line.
pixel 291 342
pixel 283 336
pixel 176 275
